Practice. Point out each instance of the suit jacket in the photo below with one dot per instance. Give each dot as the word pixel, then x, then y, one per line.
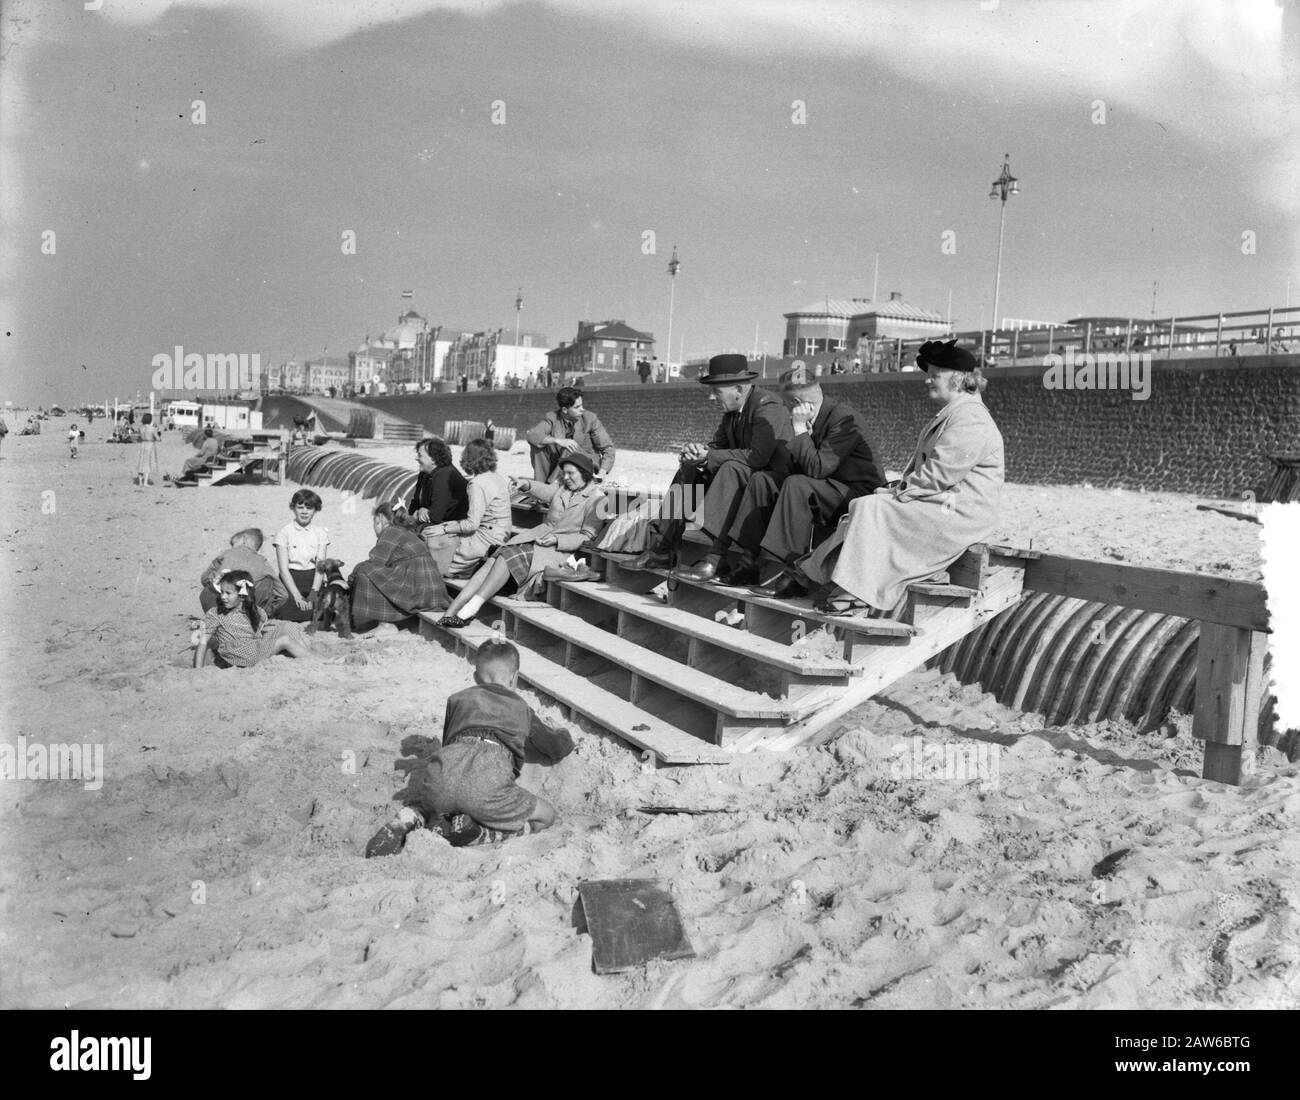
pixel 588 432
pixel 757 434
pixel 835 448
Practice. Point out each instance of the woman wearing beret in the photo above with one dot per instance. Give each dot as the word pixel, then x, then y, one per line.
pixel 947 499
pixel 574 515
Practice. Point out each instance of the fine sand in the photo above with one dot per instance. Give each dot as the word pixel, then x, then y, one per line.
pixel 220 863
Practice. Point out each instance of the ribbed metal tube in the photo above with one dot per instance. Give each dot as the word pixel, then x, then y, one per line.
pixel 349 471
pixel 1077 661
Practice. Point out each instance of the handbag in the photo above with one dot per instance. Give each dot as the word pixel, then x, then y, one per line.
pixel 629 532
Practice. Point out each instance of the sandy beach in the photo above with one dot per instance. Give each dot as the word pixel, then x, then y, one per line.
pixel 219 865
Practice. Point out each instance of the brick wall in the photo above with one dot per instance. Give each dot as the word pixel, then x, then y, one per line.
pixel 1208 427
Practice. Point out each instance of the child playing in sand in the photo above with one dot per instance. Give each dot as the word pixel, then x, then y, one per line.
pixel 466 790
pixel 74 437
pixel 299 547
pixel 245 554
pixel 238 630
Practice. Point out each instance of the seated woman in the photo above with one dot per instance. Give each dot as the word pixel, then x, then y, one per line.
pixel 209 447
pixel 947 499
pixel 398 579
pixel 440 495
pixel 487 518
pixel 574 515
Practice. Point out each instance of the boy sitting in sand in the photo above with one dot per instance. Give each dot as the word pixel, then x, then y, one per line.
pixel 466 790
pixel 245 554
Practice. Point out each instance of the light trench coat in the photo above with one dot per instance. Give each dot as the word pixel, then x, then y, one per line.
pixel 949 497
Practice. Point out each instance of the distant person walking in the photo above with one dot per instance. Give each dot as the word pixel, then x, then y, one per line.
pixel 147 462
pixel 74 437
pixel 643 368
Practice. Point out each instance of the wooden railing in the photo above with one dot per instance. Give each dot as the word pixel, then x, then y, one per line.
pixel 1271 331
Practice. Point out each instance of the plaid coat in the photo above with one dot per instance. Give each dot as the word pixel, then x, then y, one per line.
pixel 397 580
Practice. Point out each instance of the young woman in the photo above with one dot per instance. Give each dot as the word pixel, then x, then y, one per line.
pixel 487 518
pixel 441 496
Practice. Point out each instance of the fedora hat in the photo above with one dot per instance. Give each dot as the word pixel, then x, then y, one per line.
pixel 582 461
pixel 727 370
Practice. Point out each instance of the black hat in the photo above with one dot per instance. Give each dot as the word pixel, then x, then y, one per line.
pixel 935 353
pixel 582 461
pixel 728 369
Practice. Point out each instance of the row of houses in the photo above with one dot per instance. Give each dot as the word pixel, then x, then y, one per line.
pixel 416 354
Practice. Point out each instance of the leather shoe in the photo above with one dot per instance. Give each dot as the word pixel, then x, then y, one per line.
pixel 743 575
pixel 704 571
pixel 783 587
pixel 650 559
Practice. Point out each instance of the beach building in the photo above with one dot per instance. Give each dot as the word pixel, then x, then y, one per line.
pixel 493 354
pixel 601 346
pixel 845 324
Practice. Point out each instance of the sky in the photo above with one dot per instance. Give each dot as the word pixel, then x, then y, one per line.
pixel 781 146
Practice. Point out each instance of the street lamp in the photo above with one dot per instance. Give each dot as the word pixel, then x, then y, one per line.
pixel 673 266
pixel 1006 184
pixel 519 304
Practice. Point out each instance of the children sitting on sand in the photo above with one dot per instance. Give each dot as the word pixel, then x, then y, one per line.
pixel 245 554
pixel 299 548
pixel 239 632
pixel 466 790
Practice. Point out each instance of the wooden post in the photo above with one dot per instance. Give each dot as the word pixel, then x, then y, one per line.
pixel 284 453
pixel 1229 690
pixel 1218 337
pixel 1173 325
pixel 1268 336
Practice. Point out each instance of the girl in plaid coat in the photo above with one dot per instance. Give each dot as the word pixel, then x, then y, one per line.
pixel 398 579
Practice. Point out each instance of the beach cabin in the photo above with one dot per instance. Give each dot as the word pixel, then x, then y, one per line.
pixel 184 414
pixel 232 417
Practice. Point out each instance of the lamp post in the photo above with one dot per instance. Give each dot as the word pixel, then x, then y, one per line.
pixel 1006 184
pixel 673 266
pixel 519 304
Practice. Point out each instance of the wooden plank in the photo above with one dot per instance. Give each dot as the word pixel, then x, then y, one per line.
pixel 950 591
pixel 786 657
pixel 622 718
pixel 1229 692
pixel 1219 600
pixel 947 627
pixel 796 609
pixel 687 682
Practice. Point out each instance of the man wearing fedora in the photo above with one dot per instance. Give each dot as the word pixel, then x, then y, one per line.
pixel 754 436
pixel 831 464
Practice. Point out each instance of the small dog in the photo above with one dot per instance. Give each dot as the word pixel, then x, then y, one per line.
pixel 331 605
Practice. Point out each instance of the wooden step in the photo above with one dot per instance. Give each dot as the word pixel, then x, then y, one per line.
pixel 788 658
pixel 794 609
pixel 954 591
pixel 690 683
pixel 576 692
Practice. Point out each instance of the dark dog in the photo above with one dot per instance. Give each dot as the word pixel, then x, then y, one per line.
pixel 331 605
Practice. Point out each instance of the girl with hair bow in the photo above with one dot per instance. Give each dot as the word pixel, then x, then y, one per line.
pixel 238 632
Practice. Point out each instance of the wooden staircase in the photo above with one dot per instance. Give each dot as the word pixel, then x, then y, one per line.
pixel 271 447
pixel 653 658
